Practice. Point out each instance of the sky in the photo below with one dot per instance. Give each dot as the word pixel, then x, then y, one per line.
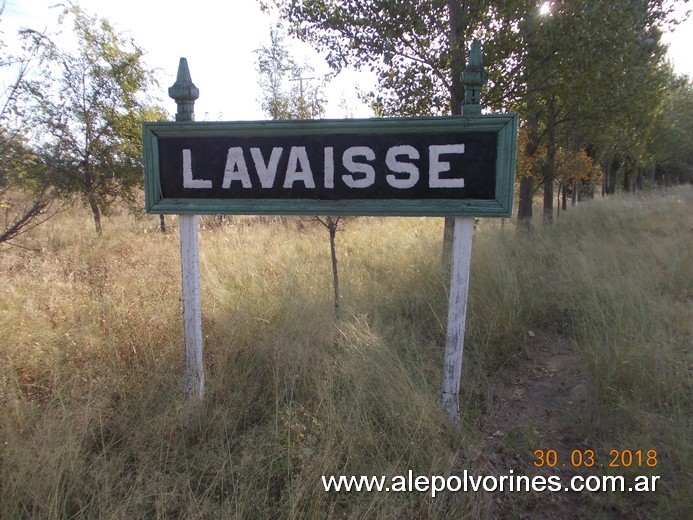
pixel 219 38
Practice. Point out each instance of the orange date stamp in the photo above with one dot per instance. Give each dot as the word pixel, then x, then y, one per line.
pixel 624 458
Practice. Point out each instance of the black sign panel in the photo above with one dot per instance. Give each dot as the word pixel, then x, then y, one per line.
pixel 334 167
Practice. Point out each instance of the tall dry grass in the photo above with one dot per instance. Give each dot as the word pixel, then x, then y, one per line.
pixel 91 359
pixel 612 279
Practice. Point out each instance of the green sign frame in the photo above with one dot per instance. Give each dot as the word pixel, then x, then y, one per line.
pixel 504 126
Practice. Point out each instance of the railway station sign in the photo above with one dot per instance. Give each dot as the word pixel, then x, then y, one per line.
pixel 437 166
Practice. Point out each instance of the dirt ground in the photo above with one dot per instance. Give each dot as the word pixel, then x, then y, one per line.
pixel 533 408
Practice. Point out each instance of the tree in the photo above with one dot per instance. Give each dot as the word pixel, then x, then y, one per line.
pixel 596 87
pixel 27 198
pixel 415 48
pixel 332 225
pixel 670 146
pixel 290 91
pixel 87 108
pixel 591 88
pixel 276 68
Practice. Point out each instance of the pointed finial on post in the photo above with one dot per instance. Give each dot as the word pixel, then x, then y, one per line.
pixel 473 78
pixel 184 93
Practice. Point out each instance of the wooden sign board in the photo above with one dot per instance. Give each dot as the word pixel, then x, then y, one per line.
pixel 442 166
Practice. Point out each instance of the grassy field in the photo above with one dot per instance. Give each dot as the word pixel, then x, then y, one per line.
pixel 91 364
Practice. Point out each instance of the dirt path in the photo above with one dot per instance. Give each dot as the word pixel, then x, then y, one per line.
pixel 533 409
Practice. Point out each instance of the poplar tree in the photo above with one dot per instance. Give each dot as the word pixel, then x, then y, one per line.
pixel 416 50
pixel 586 72
pixel 670 147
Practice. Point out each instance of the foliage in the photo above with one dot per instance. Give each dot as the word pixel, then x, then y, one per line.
pixel 570 165
pixel 281 79
pixel 87 107
pixel 592 91
pixel 407 45
pixel 26 196
pixel 576 166
pixel 670 143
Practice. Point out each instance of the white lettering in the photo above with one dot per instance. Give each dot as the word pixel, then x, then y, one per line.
pixel 236 169
pixel 402 167
pixel 299 156
pixel 398 483
pixel 436 166
pixel 188 181
pixel 329 167
pixel 266 172
pixel 356 167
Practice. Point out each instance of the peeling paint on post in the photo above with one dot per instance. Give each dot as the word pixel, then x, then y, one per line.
pixel 457 315
pixel 473 79
pixel 184 93
pixel 192 310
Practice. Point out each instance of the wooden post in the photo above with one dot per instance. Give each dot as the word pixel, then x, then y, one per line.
pixel 457 313
pixel 473 79
pixel 184 93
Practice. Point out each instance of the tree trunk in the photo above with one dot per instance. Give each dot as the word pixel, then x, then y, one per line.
pixel 564 196
pixel 524 206
pixel 627 172
pixel 448 233
pixel 332 228
pixel 95 212
pixel 550 171
pixel 457 51
pixel 612 177
pixel 608 174
pixel 548 201
pixel 640 178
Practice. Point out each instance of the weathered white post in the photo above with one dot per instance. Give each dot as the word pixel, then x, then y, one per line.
pixel 184 93
pixel 473 79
